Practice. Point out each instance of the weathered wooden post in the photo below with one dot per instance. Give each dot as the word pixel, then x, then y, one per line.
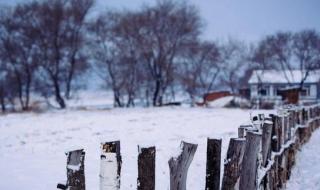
pixel 110 166
pixel 249 169
pixel 275 134
pixel 242 130
pixel 75 171
pixel 285 128
pixel 213 164
pixel 275 147
pixel 146 168
pixel 266 142
pixel 284 155
pixel 179 166
pixel 232 165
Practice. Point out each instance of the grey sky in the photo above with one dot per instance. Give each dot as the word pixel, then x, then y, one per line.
pixel 242 19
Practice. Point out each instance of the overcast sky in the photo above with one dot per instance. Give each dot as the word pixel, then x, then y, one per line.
pixel 241 19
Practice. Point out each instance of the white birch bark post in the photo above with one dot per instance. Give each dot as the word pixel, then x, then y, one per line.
pixel 179 166
pixel 110 166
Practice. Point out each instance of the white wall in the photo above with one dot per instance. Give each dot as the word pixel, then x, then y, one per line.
pixel 313 90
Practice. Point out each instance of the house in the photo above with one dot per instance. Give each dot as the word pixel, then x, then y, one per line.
pixel 269 85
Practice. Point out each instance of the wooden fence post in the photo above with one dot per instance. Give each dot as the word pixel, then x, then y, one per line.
pixel 213 164
pixel 266 142
pixel 242 130
pixel 275 147
pixel 233 162
pixel 75 171
pixel 249 169
pixel 146 168
pixel 110 166
pixel 179 166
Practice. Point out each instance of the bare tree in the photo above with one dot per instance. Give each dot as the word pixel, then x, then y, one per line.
pixel 8 90
pixel 141 48
pixel 306 50
pixel 199 68
pixel 286 51
pixel 108 56
pixel 77 57
pixel 162 31
pixel 18 50
pixel 275 52
pixel 60 38
pixel 234 63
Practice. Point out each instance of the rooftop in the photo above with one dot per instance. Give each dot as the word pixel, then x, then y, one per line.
pixel 275 76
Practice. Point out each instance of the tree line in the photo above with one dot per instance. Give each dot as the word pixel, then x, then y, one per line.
pixel 147 55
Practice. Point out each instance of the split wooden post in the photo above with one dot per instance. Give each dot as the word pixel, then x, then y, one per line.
pixel 110 166
pixel 146 168
pixel 233 162
pixel 179 166
pixel 213 164
pixel 249 169
pixel 75 171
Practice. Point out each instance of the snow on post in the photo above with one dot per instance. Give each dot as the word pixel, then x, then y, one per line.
pixel 213 164
pixel 179 166
pixel 233 162
pixel 110 166
pixel 248 176
pixel 75 171
pixel 146 168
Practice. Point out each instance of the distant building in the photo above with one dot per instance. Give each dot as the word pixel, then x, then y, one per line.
pixel 212 96
pixel 269 85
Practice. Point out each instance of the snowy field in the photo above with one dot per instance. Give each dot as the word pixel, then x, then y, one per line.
pixel 32 145
pixel 306 172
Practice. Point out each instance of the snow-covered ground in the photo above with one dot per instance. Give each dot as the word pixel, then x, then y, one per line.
pixel 306 173
pixel 32 145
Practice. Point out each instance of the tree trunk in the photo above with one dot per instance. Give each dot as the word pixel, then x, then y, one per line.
pixel 70 77
pixel 27 92
pixel 117 100
pixel 59 98
pixel 156 94
pixel 3 104
pixel 20 91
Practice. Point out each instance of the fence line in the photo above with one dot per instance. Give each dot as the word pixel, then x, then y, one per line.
pixel 262 156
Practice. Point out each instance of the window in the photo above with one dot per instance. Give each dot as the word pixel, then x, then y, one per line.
pixel 305 91
pixel 264 91
pixel 279 91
